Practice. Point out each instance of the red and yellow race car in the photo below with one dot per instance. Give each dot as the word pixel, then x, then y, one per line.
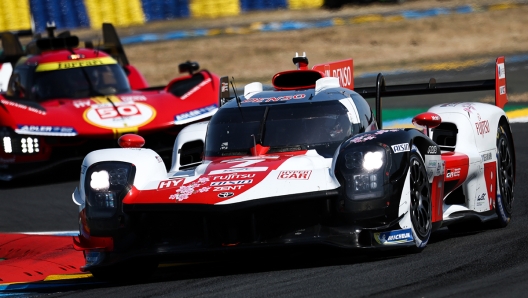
pixel 63 101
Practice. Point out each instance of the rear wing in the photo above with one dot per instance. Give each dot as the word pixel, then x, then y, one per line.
pixel 381 89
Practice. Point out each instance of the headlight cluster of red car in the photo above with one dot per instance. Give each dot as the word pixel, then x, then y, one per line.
pixel 16 144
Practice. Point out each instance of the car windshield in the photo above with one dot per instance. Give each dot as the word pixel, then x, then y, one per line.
pixel 80 82
pixel 288 127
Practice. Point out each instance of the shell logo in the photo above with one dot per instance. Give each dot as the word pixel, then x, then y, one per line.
pixel 119 115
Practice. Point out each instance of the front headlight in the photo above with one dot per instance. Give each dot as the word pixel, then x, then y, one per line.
pixel 364 171
pixel 18 144
pixel 106 184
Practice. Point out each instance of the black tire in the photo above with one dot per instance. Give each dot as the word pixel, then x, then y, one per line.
pixel 420 206
pixel 130 272
pixel 505 177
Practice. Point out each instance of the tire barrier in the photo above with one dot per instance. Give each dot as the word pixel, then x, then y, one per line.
pixel 17 15
pixel 14 15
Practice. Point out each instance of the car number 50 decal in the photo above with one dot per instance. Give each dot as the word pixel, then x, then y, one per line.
pixel 119 115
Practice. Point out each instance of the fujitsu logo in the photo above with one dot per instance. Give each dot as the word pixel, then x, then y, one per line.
pixel 482 126
pixel 233 176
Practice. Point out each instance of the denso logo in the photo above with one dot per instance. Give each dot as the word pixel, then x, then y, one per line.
pixel 294 175
pixel 400 148
pixel 344 74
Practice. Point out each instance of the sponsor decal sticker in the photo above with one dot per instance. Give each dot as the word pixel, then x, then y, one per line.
pixel 184 191
pixel 169 183
pixel 482 126
pixel 439 168
pixel 486 156
pixel 394 237
pixel 452 173
pixel 468 107
pixel 75 64
pixel 432 150
pixel 274 99
pixel 83 103
pixel 294 175
pixel 133 98
pixel 238 170
pixel 224 87
pixel 481 199
pixel 501 71
pixel 400 148
pixel 244 165
pixel 23 107
pixel 225 194
pixel 234 176
pixel 502 90
pixel 370 136
pixel 46 130
pixel 119 115
pixel 225 188
pixel 183 118
pixel 232 182
pixel 196 88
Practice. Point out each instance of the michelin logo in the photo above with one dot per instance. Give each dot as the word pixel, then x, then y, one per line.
pixel 400 148
pixel 394 237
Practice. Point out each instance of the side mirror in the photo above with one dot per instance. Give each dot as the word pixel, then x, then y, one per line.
pixel 425 121
pixel 189 67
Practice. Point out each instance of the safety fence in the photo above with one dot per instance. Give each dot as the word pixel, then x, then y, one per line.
pixel 16 15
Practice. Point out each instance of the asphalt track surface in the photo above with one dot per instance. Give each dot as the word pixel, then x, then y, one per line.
pixel 485 263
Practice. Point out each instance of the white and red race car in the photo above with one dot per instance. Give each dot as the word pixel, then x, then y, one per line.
pixel 304 163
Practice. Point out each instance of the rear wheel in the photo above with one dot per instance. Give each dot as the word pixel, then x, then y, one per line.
pixel 420 206
pixel 505 176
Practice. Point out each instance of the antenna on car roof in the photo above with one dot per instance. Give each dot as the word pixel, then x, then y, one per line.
pixel 50 27
pixel 98 48
pixel 234 91
pixel 300 61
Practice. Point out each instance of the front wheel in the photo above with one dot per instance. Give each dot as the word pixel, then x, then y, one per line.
pixel 420 205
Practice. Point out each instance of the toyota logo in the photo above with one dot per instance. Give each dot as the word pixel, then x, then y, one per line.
pixel 225 194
